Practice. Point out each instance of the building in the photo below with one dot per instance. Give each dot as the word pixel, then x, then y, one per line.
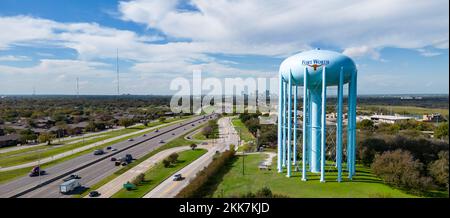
pixel 390 118
pixel 433 118
pixel 9 140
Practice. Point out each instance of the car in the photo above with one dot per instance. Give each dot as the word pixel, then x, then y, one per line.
pixel 144 135
pixel 114 149
pixel 189 137
pixel 98 152
pixel 73 176
pixel 157 130
pixel 193 125
pixel 161 141
pixel 36 171
pixel 177 177
pixel 173 133
pixel 124 163
pixel 108 148
pixel 130 140
pixel 113 159
pixel 117 163
pixel 94 194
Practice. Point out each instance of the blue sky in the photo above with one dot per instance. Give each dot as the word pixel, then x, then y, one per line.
pixel 400 47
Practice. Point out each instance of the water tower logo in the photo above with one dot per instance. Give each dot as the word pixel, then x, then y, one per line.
pixel 315 63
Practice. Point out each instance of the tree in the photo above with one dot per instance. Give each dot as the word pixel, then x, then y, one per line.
pixel 365 125
pixel 173 158
pixel 439 169
pixel 207 131
pixel 125 122
pixel 441 131
pixel 193 146
pixel 27 135
pixel 138 179
pixel 46 138
pixel 399 168
pixel 166 163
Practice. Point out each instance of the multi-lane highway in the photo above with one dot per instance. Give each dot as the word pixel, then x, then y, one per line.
pixel 93 168
pixel 170 188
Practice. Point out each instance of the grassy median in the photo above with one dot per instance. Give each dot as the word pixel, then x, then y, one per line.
pixel 159 173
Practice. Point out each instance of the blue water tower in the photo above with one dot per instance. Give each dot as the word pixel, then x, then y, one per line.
pixel 315 70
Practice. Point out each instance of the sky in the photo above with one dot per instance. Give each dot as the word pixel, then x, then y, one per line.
pixel 399 46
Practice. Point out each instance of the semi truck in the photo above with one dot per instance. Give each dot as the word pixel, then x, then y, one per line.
pixel 69 186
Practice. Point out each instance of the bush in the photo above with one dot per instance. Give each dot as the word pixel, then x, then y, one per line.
pixel 138 179
pixel 166 163
pixel 439 169
pixel 196 187
pixel 441 132
pixel 173 158
pixel 193 146
pixel 398 168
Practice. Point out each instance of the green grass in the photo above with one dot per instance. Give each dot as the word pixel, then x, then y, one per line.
pixel 405 109
pixel 39 152
pixel 159 173
pixel 239 126
pixel 180 141
pixel 199 136
pixel 12 174
pixel 364 184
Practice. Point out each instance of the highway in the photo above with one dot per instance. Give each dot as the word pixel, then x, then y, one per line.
pixel 170 188
pixel 93 168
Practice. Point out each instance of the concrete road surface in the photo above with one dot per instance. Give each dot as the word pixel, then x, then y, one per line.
pixel 170 188
pixel 113 186
pixel 94 168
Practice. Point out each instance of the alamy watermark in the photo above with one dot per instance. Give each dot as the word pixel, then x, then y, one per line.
pixel 214 95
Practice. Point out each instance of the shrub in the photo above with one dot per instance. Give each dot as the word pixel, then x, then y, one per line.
pixel 173 158
pixel 439 169
pixel 197 186
pixel 398 168
pixel 138 179
pixel 166 163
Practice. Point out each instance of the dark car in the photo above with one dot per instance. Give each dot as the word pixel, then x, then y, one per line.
pixel 193 125
pixel 73 176
pixel 94 194
pixel 98 152
pixel 36 171
pixel 108 148
pixel 130 140
pixel 113 159
pixel 157 130
pixel 161 141
pixel 177 177
pixel 173 133
pixel 144 135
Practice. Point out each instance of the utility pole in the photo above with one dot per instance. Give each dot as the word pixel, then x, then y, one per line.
pixel 78 89
pixel 117 70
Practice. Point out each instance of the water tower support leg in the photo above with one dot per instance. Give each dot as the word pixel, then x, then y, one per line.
pixel 354 123
pixel 289 126
pixel 304 132
pixel 280 123
pixel 284 125
pixel 323 126
pixel 339 126
pixel 294 153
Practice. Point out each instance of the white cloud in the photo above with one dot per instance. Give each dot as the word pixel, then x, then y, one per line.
pixel 362 51
pixel 287 25
pixel 14 58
